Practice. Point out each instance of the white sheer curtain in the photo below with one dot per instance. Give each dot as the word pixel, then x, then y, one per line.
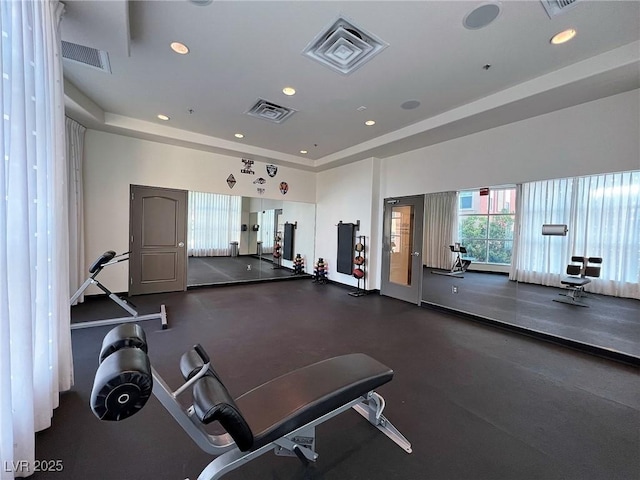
pixel 602 214
pixel 441 228
pixel 35 337
pixel 266 234
pixel 542 259
pixel 214 222
pixel 75 154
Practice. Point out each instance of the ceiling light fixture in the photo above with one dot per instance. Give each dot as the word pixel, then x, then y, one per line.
pixel 563 36
pixel 289 91
pixel 163 117
pixel 239 135
pixel 180 48
pixel 368 123
pixel 303 151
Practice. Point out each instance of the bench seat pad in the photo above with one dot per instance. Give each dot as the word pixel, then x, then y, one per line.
pixel 292 400
pixel 575 282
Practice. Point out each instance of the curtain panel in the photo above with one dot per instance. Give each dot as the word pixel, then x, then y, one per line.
pixel 35 336
pixel 266 234
pixel 602 213
pixel 214 222
pixel 441 228
pixel 75 157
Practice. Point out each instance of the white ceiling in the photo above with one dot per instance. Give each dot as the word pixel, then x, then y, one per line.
pixel 244 50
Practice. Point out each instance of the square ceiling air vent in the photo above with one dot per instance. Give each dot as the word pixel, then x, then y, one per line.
pixel 343 47
pixel 556 7
pixel 88 56
pixel 270 111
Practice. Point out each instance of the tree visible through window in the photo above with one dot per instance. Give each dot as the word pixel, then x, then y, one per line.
pixel 485 225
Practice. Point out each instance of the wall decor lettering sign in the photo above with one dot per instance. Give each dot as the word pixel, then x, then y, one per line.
pixel 284 187
pixel 247 166
pixel 259 181
pixel 231 181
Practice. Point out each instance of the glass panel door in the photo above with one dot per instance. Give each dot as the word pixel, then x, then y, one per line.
pixel 402 248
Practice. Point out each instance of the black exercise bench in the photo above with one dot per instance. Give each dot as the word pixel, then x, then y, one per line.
pixel 279 415
pixel 580 271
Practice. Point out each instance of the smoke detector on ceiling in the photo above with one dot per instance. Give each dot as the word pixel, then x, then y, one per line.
pixel 556 7
pixel 270 111
pixel 344 47
pixel 87 56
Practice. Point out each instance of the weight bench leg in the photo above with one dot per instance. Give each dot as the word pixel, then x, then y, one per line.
pixel 230 461
pixel 371 408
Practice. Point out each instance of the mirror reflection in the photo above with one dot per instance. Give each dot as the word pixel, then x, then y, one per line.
pixel 485 254
pixel 234 239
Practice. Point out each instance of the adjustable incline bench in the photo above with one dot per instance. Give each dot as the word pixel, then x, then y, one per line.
pixel 280 415
pixel 109 258
pixel 580 273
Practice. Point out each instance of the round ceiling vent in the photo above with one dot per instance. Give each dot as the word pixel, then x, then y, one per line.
pixel 481 16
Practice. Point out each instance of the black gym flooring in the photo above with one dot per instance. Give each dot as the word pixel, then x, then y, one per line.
pixel 610 324
pixel 475 401
pixel 240 269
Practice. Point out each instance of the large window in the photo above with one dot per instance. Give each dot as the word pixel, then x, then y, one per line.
pixel 485 225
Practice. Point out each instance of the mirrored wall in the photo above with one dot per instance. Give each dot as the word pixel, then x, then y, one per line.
pixel 484 254
pixel 247 239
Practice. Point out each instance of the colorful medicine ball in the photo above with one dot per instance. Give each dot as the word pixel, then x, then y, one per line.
pixel 358 272
pixel 358 260
pixel 359 247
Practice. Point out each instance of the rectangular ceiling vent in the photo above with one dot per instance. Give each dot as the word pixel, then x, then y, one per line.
pixel 270 111
pixel 556 7
pixel 343 47
pixel 88 56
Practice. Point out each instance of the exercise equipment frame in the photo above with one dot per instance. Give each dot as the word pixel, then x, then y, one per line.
pixel 228 455
pixel 109 258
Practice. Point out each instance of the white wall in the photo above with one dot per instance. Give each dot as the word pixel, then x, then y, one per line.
pixel 114 162
pixel 596 137
pixel 304 234
pixel 345 194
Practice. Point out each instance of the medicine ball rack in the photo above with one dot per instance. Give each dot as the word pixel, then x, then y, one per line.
pixel 277 253
pixel 359 269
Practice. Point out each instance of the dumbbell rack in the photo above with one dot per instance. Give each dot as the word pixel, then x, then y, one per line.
pixel 320 272
pixel 360 261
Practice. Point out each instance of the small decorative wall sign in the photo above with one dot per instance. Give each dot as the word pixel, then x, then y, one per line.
pixel 284 187
pixel 259 181
pixel 261 191
pixel 247 166
pixel 231 181
pixel 272 170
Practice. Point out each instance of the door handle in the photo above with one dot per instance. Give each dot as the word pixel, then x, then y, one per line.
pixel 181 244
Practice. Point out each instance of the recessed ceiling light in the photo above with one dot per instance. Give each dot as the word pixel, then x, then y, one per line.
pixel 368 123
pixel 289 91
pixel 563 36
pixel 180 48
pixel 303 151
pixel 239 135
pixel 163 117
